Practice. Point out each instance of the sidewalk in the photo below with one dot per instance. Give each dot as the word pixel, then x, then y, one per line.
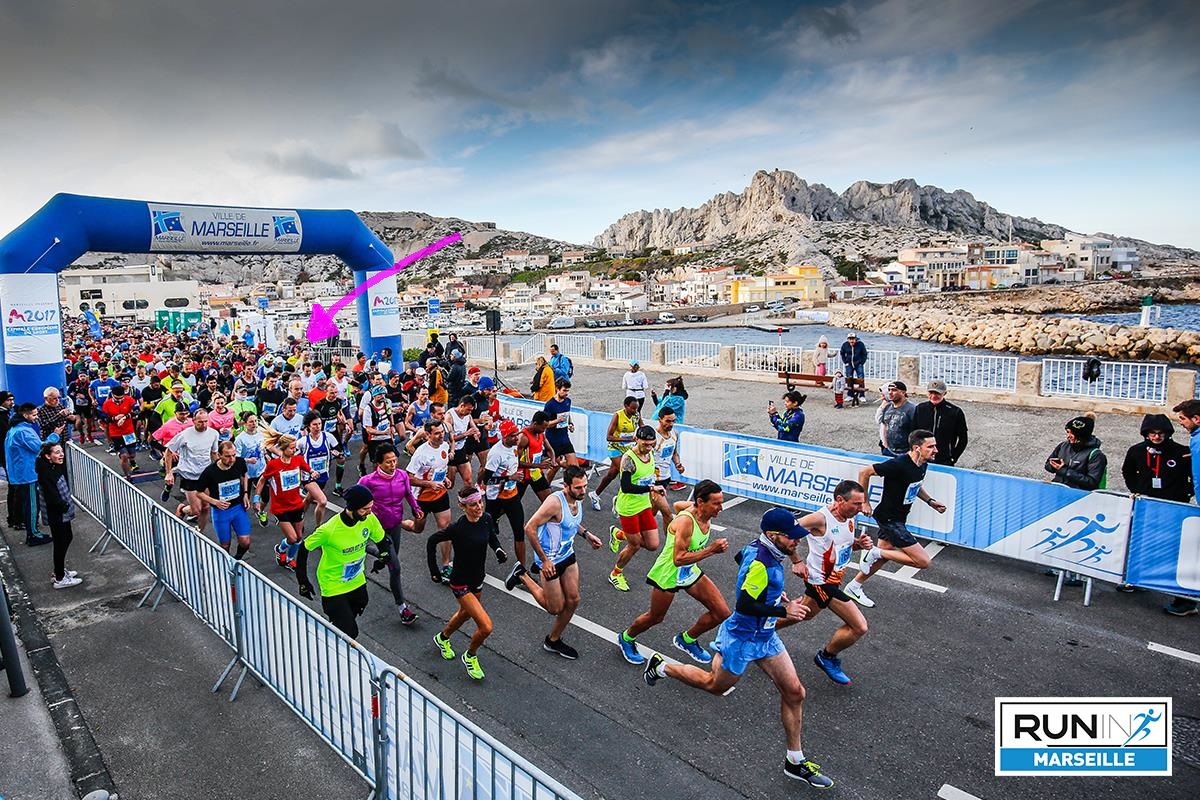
pixel 142 683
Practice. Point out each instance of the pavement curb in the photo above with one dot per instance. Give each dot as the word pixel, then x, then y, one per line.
pixel 89 772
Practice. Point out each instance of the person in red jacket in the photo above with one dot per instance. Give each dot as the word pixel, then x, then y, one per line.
pixel 118 411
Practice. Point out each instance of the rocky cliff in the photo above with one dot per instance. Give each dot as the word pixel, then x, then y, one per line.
pixel 780 211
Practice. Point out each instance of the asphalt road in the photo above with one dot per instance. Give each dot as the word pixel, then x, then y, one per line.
pixel 942 646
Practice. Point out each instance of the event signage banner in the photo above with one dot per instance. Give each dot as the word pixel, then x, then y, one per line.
pixel 521 412
pixel 31 318
pixel 199 229
pixel 384 305
pixel 1164 547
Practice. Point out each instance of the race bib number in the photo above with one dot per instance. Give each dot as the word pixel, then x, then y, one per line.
pixel 438 476
pixel 229 490
pixel 685 574
pixel 129 438
pixel 331 425
pixel 289 479
pixel 564 422
pixel 269 409
pixel 535 458
pixel 911 493
pixel 646 480
pixel 510 486
pixel 223 435
pixel 352 570
pixel 319 464
pixel 382 426
pixel 769 623
pixel 102 392
pixel 843 556
pixel 667 451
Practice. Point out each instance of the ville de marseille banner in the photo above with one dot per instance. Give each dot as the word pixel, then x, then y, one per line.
pixel 521 411
pixel 196 229
pixel 1164 547
pixel 31 319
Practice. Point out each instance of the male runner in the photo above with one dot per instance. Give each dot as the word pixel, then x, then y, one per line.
pixel 749 637
pixel 620 436
pixel 688 543
pixel 902 479
pixel 551 531
pixel 535 451
pixel 193 449
pixel 831 539
pixel 635 509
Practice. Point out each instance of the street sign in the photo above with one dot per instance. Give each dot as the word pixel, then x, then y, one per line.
pixel 262 303
pixel 435 306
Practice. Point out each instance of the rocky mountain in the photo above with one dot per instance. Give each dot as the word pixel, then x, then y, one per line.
pixel 403 231
pixel 782 216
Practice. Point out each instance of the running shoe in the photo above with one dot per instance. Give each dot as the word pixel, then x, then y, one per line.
pixel 67 582
pixel 678 486
pixel 472 664
pixel 291 564
pixel 262 518
pixel 831 666
pixel 562 648
pixel 650 674
pixel 69 573
pixel 280 556
pixel 444 645
pixel 618 581
pixel 446 570
pixel 1178 607
pixel 595 498
pixel 695 650
pixel 869 559
pixel 807 771
pixel 629 649
pixel 37 541
pixel 514 577
pixel 337 489
pixel 857 595
pixel 165 495
pixel 407 615
pixel 614 538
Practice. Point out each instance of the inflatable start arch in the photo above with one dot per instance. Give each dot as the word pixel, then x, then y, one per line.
pixel 70 225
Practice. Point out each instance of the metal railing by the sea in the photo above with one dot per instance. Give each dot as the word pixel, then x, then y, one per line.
pixel 1116 380
pixel 996 373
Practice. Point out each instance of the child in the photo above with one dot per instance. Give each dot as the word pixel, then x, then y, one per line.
pixel 839 389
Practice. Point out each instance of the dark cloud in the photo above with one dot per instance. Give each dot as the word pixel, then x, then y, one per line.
pixel 303 162
pixel 373 138
pixel 832 23
pixel 442 81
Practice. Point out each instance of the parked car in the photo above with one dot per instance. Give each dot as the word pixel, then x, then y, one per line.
pixel 561 322
pixel 752 309
pixel 693 318
pixel 666 318
pixel 523 327
pixel 591 323
pixel 1051 282
pixel 1018 286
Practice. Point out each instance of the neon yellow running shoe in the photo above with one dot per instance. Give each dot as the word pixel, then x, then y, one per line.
pixel 444 645
pixel 472 664
pixel 614 543
pixel 618 581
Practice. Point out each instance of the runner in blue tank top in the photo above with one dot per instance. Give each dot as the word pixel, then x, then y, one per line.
pixel 749 637
pixel 551 531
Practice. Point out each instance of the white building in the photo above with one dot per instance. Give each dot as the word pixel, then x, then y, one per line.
pixel 576 281
pixel 314 290
pixel 667 291
pixel 1092 253
pixel 130 292
pixel 943 265
pixel 691 247
pixel 518 297
pixel 705 285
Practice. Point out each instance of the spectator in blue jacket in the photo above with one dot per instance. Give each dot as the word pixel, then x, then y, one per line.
pixel 790 423
pixel 1188 414
pixel 675 399
pixel 21 447
pixel 562 366
pixel 854 359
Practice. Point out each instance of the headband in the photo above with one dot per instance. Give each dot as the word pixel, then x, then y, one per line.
pixel 475 497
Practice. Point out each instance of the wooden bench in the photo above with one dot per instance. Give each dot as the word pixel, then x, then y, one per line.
pixel 793 379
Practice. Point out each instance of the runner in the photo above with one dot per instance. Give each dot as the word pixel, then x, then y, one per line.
pixel 343 545
pixel 902 479
pixel 119 415
pixel 559 426
pixel 749 637
pixel 428 469
pixel 535 451
pixel 831 538
pixel 377 428
pixel 250 448
pixel 470 537
pixel 464 435
pixel 634 506
pixel 552 530
pixel 500 477
pixel 192 449
pixel 223 486
pixel 286 476
pixel 620 437
pixel 316 447
pixel 222 418
pixel 418 412
pixel 486 412
pixel 688 543
pixel 391 489
pixel 333 421
pixel 668 467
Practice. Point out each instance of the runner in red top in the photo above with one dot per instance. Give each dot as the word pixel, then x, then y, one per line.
pixel 286 475
pixel 118 409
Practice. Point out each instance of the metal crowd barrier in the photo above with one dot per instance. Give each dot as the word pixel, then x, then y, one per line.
pixel 401 739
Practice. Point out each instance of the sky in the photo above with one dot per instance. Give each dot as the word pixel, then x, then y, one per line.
pixel 558 117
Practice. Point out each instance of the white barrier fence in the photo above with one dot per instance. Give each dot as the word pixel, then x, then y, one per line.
pixel 767 358
pixel 400 738
pixel 527 351
pixel 1117 380
pixel 997 373
pixel 480 348
pixel 618 348
pixel 882 365
pixel 693 354
pixel 574 344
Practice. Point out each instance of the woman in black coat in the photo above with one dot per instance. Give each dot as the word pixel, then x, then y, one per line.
pixel 57 507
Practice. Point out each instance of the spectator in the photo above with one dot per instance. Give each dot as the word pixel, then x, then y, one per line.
pixel 456 378
pixel 434 348
pixel 54 501
pixel 635 384
pixel 854 359
pixel 1078 462
pixel 821 357
pixel 6 406
pixel 561 364
pixel 1188 414
pixel 791 422
pixel 674 398
pixel 435 378
pixel 52 414
pixel 1158 466
pixel 895 418
pixel 21 446
pixel 454 345
pixel 946 420
pixel 542 385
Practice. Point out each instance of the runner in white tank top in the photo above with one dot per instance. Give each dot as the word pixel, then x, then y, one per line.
pixel 832 537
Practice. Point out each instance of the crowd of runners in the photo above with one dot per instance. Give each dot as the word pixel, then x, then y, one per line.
pixel 249 437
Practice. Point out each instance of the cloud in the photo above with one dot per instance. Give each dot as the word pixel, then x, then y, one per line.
pixel 301 160
pixel 441 81
pixel 367 137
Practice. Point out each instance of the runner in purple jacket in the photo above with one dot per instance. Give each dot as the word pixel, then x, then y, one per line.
pixel 391 489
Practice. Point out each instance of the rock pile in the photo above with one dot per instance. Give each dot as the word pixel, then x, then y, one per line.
pixel 1026 334
pixel 1083 298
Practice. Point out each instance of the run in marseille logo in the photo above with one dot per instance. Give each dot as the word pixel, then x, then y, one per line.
pixel 1083 736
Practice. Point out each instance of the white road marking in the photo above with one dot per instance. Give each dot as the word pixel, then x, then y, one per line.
pixel 948 792
pixel 932 548
pixel 735 502
pixel 896 576
pixel 1171 651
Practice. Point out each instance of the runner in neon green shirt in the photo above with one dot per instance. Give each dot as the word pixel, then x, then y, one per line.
pixel 343 543
pixel 639 527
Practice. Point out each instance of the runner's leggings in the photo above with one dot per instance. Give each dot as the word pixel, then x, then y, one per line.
pixel 343 610
pixel 512 509
pixel 393 538
pixel 61 532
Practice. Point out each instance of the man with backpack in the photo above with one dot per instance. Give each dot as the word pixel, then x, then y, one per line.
pixel 561 364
